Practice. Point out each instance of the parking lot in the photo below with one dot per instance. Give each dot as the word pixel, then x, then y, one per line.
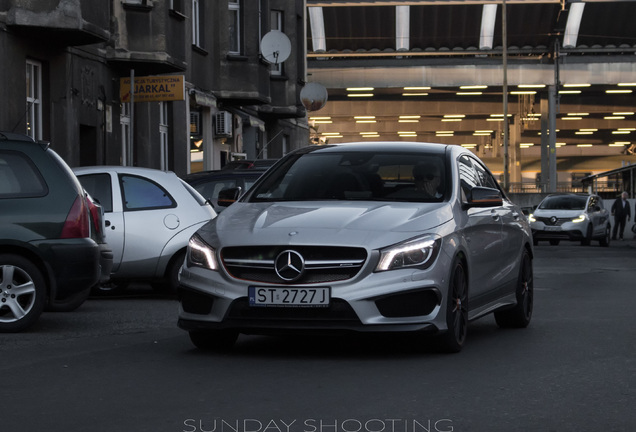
pixel 120 364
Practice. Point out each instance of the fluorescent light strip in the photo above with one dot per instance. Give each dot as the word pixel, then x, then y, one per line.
pixel 416 88
pixel 623 113
pixel 360 95
pixel 366 121
pixel 469 93
pixel 360 89
pixel 408 121
pixel 414 94
pixel 569 91
pixel 584 145
pixel 323 122
pixel 363 117
pixel 614 118
pixel 410 116
pixel 525 92
pixel 454 115
pixel 531 86
pixel 576 85
pixel 473 87
pixel 617 91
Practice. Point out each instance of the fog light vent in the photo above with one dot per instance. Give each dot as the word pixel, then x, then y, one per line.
pixel 196 303
pixel 409 304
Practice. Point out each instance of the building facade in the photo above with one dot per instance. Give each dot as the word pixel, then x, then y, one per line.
pixel 67 67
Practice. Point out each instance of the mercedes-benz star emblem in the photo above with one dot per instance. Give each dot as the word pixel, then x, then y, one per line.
pixel 289 265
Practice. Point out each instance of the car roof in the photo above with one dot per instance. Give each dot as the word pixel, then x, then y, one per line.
pixel 398 146
pixel 149 172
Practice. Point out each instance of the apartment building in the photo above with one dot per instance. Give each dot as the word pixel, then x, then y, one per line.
pixel 203 92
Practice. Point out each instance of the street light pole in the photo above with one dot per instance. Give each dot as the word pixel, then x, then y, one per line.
pixel 506 158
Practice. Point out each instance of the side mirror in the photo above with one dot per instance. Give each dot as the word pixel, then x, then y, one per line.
pixel 484 197
pixel 228 196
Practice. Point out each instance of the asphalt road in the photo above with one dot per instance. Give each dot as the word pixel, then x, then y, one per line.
pixel 121 365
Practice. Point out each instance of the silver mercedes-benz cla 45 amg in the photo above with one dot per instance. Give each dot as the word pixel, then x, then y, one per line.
pixel 366 237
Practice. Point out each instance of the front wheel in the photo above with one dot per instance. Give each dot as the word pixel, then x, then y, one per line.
pixel 456 309
pixel 605 241
pixel 519 316
pixel 22 293
pixel 588 236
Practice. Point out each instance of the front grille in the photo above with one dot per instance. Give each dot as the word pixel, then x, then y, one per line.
pixel 323 264
pixel 558 222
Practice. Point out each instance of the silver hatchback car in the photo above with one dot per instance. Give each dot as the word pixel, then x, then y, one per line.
pixel 368 237
pixel 149 216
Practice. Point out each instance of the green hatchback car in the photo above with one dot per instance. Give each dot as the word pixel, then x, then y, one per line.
pixel 49 256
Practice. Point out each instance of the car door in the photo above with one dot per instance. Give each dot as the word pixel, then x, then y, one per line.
pixel 483 234
pixel 150 219
pixel 511 232
pixel 104 187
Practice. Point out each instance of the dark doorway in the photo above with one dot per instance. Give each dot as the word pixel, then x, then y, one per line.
pixel 88 145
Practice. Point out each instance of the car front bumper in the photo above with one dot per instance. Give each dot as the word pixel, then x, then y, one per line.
pixel 392 301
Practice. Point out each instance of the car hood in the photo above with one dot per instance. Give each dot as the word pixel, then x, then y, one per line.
pixel 370 224
pixel 558 213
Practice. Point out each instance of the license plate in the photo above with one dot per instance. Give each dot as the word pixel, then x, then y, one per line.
pixel 552 228
pixel 289 296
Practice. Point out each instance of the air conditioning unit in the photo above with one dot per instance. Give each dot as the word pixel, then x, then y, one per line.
pixel 223 126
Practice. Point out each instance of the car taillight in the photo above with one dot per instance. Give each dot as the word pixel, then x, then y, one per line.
pixel 76 225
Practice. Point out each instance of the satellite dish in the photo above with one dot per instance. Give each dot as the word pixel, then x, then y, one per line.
pixel 275 47
pixel 313 96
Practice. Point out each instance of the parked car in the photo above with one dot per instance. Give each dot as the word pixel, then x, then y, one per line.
pixel 211 183
pixel 572 217
pixel 47 256
pixel 368 237
pixel 149 217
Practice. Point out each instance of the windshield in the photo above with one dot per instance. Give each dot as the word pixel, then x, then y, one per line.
pixel 409 177
pixel 564 203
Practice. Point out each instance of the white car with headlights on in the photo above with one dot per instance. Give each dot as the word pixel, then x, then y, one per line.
pixel 572 217
pixel 361 237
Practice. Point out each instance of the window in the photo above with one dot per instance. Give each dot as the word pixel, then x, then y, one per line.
pixel 163 135
pixel 142 194
pixel 196 29
pixel 34 99
pixel 235 26
pixel 19 178
pixel 276 23
pixel 99 187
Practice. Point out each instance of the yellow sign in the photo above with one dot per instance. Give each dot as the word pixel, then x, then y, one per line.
pixel 153 88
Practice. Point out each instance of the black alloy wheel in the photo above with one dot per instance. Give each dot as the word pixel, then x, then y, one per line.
pixel 456 309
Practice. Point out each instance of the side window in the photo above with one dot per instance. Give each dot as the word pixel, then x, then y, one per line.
pixel 485 179
pixel 142 194
pixel 467 177
pixel 100 188
pixel 19 177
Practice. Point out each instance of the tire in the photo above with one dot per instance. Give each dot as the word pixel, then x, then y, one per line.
pixel 456 309
pixel 520 315
pixel 69 304
pixel 110 288
pixel 555 242
pixel 170 284
pixel 605 241
pixel 588 236
pixel 22 293
pixel 213 340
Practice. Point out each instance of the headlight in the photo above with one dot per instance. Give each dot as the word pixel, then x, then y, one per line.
pixel 581 218
pixel 418 253
pixel 201 254
pixel 531 218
